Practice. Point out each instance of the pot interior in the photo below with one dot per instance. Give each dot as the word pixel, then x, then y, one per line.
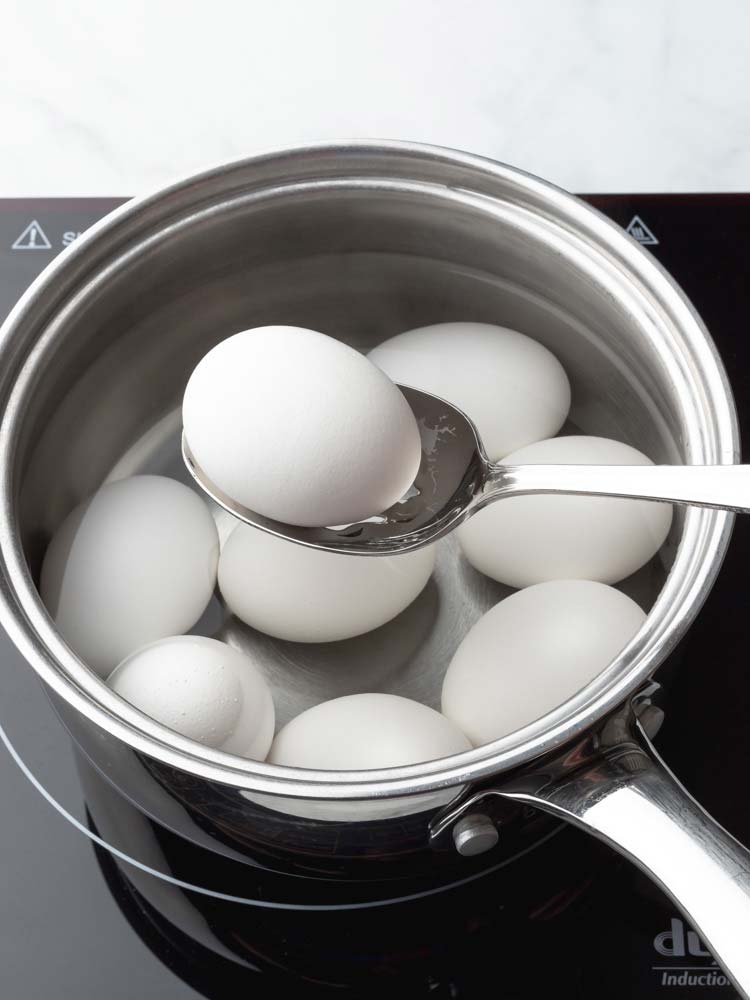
pixel 359 261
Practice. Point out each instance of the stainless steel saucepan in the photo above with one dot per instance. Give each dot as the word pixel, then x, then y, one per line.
pixel 362 241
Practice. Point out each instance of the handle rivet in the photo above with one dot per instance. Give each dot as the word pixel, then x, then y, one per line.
pixel 651 719
pixel 475 834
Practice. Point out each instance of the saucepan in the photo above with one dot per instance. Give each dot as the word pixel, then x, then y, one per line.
pixel 362 240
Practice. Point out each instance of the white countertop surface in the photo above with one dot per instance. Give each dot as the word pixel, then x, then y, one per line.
pixel 595 95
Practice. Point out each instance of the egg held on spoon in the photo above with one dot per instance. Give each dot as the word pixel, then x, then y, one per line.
pixel 300 428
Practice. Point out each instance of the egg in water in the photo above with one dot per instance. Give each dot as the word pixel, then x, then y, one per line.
pixel 306 595
pixel 300 428
pixel 204 690
pixel 134 563
pixel 532 652
pixel 362 732
pixel 524 540
pixel 512 387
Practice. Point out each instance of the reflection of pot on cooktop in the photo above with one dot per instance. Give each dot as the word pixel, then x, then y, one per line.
pixel 618 938
pixel 566 917
pixel 408 939
pixel 614 936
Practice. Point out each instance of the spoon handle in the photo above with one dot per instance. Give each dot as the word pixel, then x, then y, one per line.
pixel 725 487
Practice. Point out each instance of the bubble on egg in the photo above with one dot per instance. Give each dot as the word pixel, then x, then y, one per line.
pixel 300 427
pixel 532 652
pixel 525 540
pixel 512 387
pixel 306 595
pixel 134 563
pixel 204 690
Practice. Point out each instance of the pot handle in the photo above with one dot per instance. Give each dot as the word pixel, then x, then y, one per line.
pixel 625 795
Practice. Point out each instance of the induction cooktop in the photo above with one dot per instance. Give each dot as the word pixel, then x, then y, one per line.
pixel 74 923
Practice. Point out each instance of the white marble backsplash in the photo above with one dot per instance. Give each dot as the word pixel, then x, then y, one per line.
pixel 597 95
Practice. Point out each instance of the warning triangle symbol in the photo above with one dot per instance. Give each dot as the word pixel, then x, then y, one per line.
pixel 638 229
pixel 32 238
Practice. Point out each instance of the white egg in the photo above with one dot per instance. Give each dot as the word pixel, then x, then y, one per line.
pixel 134 563
pixel 300 427
pixel 362 732
pixel 365 731
pixel 513 388
pixel 525 540
pixel 203 689
pixel 305 595
pixel 532 652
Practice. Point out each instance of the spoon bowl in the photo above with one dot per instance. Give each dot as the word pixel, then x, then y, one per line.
pixel 456 479
pixel 452 474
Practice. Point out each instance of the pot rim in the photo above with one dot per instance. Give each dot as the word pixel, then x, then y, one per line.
pixel 698 559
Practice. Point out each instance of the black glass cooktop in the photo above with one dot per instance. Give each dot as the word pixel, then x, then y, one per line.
pixel 74 926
